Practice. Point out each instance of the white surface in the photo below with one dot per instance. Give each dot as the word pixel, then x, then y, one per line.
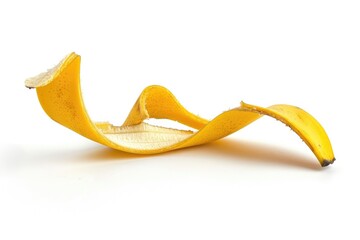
pixel 259 183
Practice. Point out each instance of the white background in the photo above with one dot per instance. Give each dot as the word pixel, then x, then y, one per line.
pixel 262 182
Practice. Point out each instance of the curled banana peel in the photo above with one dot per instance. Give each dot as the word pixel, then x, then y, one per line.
pixel 60 96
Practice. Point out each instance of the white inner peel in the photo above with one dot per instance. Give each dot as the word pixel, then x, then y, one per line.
pixel 46 77
pixel 143 135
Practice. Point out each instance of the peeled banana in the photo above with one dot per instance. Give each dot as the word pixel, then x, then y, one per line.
pixel 59 93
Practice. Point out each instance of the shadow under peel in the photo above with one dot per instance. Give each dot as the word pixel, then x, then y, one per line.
pixel 226 149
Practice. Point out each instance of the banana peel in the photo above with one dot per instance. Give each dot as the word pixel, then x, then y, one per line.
pixel 59 93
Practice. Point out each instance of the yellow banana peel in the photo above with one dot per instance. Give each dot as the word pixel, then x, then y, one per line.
pixel 60 96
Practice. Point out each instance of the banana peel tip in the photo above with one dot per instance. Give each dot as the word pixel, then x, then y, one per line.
pixel 326 163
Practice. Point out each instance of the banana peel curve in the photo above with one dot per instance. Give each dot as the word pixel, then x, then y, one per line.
pixel 59 93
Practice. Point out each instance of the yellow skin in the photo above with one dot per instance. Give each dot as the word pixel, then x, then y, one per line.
pixel 60 96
